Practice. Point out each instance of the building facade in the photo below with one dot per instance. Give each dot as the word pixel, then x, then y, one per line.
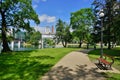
pixel 46 33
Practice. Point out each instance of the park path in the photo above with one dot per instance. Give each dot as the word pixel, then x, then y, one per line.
pixel 76 66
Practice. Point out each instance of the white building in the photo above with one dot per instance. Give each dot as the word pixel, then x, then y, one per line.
pixel 47 32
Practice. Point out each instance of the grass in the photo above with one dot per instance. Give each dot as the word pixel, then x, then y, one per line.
pixel 112 76
pixel 30 65
pixel 113 52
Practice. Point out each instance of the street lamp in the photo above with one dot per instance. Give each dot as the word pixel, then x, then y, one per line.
pixel 101 15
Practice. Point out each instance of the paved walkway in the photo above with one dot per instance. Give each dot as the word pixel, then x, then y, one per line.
pixel 76 66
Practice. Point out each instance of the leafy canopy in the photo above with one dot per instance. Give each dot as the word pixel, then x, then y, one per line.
pixel 18 13
pixel 81 21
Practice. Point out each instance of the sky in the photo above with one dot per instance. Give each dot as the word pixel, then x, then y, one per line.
pixel 49 11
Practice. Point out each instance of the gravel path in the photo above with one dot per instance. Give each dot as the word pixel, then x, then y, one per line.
pixel 76 66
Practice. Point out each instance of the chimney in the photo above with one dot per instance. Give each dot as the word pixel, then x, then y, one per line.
pixel 52 29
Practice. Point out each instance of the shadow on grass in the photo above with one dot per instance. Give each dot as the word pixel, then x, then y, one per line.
pixel 21 66
pixel 85 51
pixel 65 73
pixel 101 67
pixel 112 52
pixel 117 58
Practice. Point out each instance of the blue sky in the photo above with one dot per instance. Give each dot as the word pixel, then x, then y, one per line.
pixel 50 11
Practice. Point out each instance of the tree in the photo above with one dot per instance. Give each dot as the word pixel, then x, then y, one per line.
pixel 110 7
pixel 67 36
pixel 88 39
pixel 116 22
pixel 17 14
pixel 35 38
pixel 49 42
pixel 59 30
pixel 81 21
pixel 28 35
pixel 63 33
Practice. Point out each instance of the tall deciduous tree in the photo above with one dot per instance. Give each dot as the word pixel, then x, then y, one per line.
pixel 63 33
pixel 81 21
pixel 110 7
pixel 17 14
pixel 59 30
pixel 116 22
pixel 67 36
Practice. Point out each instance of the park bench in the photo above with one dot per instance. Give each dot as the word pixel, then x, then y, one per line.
pixel 105 62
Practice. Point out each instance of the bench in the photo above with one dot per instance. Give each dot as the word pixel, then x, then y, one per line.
pixel 104 61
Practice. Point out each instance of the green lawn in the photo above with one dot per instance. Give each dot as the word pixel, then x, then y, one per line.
pixel 113 52
pixel 30 65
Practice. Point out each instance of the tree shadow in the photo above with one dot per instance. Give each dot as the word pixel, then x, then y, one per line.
pixel 112 52
pixel 85 51
pixel 117 58
pixel 101 67
pixel 22 66
pixel 80 73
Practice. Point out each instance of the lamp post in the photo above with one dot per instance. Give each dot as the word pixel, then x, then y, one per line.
pixel 101 15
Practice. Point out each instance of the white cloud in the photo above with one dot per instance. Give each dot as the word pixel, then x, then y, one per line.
pixel 35 6
pixel 46 18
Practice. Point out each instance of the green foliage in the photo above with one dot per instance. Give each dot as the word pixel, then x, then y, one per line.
pixel 111 19
pixel 16 14
pixel 19 12
pixel 116 28
pixel 81 21
pixel 83 17
pixel 113 52
pixel 0 37
pixel 35 38
pixel 112 76
pixel 49 42
pixel 59 30
pixel 67 37
pixel 63 33
pixel 10 38
pixel 30 65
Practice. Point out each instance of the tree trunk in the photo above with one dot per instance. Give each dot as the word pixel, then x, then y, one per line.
pixel 95 46
pixel 4 38
pixel 87 45
pixel 110 23
pixel 105 43
pixel 64 43
pixel 109 38
pixel 80 44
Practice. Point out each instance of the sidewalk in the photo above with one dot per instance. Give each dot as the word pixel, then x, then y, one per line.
pixel 75 66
